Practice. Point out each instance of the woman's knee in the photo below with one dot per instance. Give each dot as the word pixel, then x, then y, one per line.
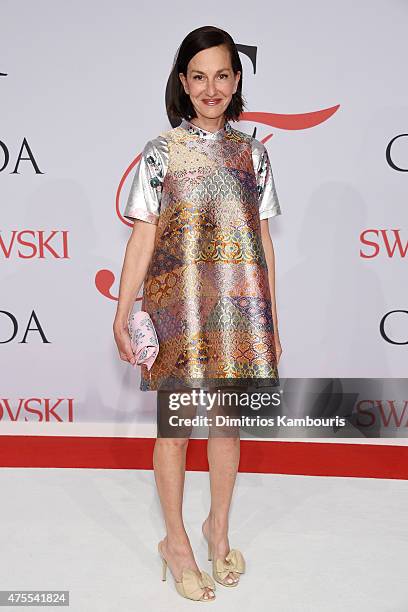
pixel 174 443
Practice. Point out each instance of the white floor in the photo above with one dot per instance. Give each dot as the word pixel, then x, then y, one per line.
pixel 311 544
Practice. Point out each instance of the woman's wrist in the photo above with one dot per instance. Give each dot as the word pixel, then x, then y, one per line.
pixel 120 320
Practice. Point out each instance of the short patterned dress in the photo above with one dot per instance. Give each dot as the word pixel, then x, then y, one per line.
pixel 206 288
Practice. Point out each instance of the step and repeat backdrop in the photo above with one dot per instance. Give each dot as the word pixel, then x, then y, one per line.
pixel 82 89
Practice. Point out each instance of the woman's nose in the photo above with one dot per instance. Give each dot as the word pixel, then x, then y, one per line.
pixel 211 89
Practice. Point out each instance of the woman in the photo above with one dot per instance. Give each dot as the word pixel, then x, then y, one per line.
pixel 200 199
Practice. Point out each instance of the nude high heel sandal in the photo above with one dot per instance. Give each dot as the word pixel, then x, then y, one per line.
pixel 234 562
pixel 191 586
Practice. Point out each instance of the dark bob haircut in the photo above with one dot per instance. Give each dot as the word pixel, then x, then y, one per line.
pixel 178 103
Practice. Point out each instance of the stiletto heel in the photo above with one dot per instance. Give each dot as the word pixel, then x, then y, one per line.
pixel 191 586
pixel 164 563
pixel 164 569
pixel 209 552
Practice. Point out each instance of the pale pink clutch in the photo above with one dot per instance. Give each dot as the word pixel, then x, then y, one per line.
pixel 143 338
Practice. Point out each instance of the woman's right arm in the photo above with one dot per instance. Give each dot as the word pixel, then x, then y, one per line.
pixel 139 251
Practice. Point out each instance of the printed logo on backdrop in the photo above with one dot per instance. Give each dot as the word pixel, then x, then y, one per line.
pixel 28 243
pixel 13 329
pixel 389 243
pixel 24 149
pixel 105 279
pixel 389 155
pixel 34 244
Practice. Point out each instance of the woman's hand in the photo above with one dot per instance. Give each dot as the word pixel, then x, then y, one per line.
pixel 122 339
pixel 136 263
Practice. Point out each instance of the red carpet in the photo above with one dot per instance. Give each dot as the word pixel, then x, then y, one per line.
pixel 276 457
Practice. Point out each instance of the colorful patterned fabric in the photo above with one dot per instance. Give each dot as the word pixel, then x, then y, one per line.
pixel 207 289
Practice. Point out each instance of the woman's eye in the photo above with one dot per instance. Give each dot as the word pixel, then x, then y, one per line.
pixel 199 76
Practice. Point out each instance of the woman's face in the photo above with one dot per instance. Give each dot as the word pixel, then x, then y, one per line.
pixel 210 77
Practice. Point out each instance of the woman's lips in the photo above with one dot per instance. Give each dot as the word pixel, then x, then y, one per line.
pixel 212 102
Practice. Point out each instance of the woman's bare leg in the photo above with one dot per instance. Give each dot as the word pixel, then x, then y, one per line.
pixel 223 452
pixel 169 463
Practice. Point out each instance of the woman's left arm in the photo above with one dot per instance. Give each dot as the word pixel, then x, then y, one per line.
pixel 270 260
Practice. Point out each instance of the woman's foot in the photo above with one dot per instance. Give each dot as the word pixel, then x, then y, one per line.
pixel 218 539
pixel 180 557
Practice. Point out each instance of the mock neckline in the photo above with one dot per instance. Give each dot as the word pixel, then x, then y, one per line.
pixel 194 129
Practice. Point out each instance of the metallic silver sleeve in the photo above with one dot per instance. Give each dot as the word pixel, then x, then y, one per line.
pixel 145 192
pixel 268 198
